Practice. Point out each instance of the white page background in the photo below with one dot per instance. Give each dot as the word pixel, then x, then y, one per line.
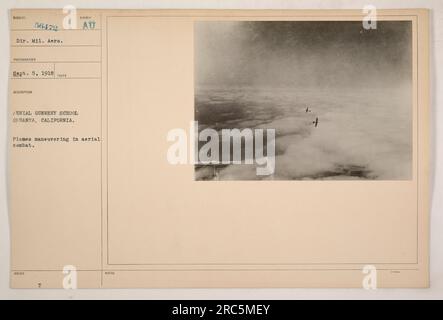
pixel 436 253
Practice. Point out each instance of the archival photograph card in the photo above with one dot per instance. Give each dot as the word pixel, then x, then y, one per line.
pixel 219 148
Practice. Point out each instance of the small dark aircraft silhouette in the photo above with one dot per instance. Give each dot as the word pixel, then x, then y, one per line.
pixel 315 122
pixel 307 109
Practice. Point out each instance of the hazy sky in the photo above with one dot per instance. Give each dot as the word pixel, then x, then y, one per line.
pixel 331 54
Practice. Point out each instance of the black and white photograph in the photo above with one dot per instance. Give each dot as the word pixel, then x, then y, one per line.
pixel 337 94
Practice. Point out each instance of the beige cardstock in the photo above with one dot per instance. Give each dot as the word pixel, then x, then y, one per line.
pixel 108 208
